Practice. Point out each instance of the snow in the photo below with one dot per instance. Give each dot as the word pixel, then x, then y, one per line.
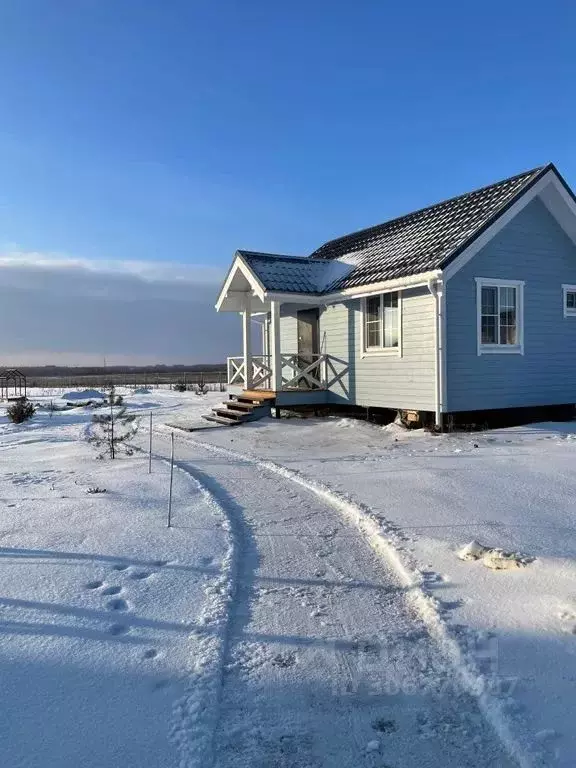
pixel 513 489
pixel 310 607
pixel 85 394
pixel 101 606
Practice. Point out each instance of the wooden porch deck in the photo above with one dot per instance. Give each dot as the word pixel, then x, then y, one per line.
pixel 259 394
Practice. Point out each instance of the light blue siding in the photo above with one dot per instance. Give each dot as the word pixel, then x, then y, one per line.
pixel 383 381
pixel 289 329
pixel 534 248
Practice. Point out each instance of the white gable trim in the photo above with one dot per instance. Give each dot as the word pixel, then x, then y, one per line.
pixel 550 179
pixel 239 265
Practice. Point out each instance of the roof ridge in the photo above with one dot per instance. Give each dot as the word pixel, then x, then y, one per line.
pixel 528 174
pixel 264 255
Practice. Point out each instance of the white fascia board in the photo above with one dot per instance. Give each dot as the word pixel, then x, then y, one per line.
pixel 386 286
pixel 294 298
pixel 239 265
pixel 358 292
pixel 536 189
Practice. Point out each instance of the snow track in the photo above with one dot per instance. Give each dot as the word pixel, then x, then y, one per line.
pixel 196 713
pixel 321 654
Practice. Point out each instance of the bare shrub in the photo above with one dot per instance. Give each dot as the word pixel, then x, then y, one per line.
pixel 20 411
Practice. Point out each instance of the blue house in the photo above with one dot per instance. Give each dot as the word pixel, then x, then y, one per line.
pixel 467 305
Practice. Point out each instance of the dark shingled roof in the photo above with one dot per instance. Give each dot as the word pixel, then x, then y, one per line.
pixel 293 274
pixel 422 241
pixel 425 240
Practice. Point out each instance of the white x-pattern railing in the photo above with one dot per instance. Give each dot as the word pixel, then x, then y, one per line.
pixel 298 372
pixel 261 371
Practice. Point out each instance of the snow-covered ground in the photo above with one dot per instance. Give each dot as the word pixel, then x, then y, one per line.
pixel 100 604
pixel 311 610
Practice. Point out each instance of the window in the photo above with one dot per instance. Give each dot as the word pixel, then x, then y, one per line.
pixel 500 315
pixel 569 299
pixel 382 323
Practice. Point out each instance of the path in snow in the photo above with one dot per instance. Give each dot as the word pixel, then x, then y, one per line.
pixel 325 662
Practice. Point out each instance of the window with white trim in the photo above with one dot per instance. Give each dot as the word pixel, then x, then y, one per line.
pixel 382 322
pixel 569 299
pixel 500 315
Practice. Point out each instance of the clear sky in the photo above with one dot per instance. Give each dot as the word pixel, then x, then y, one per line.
pixel 154 131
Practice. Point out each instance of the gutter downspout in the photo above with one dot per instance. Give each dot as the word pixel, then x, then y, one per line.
pixel 436 289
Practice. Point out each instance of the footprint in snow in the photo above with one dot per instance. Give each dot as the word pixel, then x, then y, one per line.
pixel 120 567
pixel 151 653
pixel 383 725
pixel 112 590
pixel 140 575
pixel 118 629
pixel 117 605
pixel 284 660
pixel 93 584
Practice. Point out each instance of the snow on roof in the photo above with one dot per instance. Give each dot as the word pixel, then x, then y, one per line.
pixel 426 239
pixel 418 242
pixel 294 274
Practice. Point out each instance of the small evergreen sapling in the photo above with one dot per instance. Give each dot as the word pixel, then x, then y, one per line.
pixel 111 431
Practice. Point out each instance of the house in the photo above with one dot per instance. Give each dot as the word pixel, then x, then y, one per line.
pixel 466 305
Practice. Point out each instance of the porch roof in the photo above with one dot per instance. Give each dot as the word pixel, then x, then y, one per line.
pixel 294 274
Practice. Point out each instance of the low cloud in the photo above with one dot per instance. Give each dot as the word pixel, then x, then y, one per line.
pixel 55 309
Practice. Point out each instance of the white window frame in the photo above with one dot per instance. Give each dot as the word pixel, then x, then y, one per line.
pixel 380 351
pixel 500 349
pixel 566 289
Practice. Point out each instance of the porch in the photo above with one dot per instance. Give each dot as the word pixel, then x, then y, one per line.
pixel 298 373
pixel 302 374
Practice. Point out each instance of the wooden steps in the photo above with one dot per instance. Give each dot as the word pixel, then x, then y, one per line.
pixel 251 405
pixel 222 420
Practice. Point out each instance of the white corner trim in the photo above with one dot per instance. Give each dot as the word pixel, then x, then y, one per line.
pixel 462 259
pixel 380 351
pixel 436 288
pixel 566 288
pixel 500 349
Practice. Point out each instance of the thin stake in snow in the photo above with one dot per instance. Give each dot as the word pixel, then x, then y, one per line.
pixel 171 479
pixel 150 448
pixel 112 452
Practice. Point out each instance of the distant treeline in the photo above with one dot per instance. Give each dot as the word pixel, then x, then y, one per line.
pixel 49 371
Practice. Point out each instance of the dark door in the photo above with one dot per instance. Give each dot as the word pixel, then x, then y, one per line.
pixel 308 341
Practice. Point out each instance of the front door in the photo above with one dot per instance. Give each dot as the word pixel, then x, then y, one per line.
pixel 308 341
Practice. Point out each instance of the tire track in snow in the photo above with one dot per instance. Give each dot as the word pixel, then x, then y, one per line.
pixel 386 541
pixel 196 715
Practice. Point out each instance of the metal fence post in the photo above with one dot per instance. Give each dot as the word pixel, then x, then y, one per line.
pixel 171 480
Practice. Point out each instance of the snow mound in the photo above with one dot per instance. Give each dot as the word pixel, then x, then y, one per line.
pixel 499 560
pixel 85 394
pixel 472 551
pixel 494 558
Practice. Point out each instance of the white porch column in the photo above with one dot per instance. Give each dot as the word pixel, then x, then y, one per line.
pixel 275 347
pixel 247 339
pixel 265 337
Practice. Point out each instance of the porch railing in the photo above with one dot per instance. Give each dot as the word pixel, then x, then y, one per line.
pixel 261 372
pixel 298 372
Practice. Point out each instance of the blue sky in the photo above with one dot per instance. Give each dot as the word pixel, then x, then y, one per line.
pixel 149 131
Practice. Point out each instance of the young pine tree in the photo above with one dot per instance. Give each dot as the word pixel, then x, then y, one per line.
pixel 111 431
